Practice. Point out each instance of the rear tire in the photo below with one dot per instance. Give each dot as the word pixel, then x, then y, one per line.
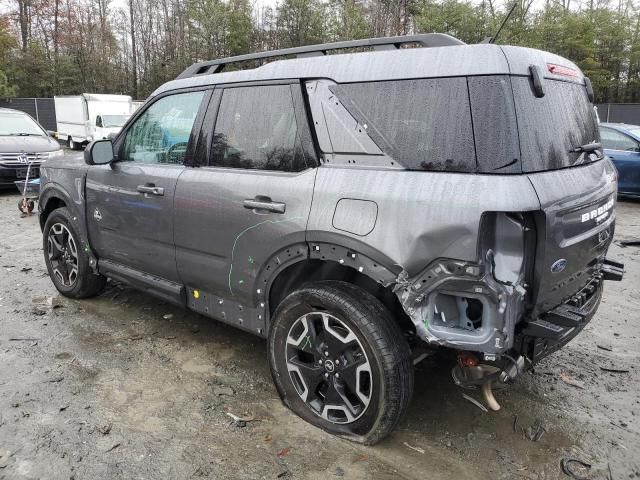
pixel 67 259
pixel 340 361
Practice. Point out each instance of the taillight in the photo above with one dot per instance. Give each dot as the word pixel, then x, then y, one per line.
pixel 560 70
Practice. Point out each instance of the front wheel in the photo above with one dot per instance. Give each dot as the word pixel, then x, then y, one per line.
pixel 66 258
pixel 340 361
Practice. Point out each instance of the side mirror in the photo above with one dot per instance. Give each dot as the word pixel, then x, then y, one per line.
pixel 112 136
pixel 99 152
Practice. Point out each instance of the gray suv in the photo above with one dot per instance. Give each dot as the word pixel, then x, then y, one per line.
pixel 355 209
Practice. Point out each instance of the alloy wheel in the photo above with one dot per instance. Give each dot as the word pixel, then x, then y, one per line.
pixel 62 252
pixel 329 368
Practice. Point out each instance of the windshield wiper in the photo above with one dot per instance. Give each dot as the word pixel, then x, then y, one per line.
pixel 587 148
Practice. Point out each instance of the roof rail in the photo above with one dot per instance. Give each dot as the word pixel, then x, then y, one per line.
pixel 384 43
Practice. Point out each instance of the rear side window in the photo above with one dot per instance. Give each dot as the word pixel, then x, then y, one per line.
pixel 422 124
pixel 256 129
pixel 553 125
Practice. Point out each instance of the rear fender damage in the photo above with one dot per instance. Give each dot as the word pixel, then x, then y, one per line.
pixel 473 305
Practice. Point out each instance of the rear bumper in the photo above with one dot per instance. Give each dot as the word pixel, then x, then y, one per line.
pixel 537 338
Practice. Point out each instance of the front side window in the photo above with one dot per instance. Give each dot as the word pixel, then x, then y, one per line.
pixel 614 140
pixel 422 124
pixel 256 129
pixel 161 134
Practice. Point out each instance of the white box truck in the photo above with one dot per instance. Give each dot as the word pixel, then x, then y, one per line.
pixel 83 118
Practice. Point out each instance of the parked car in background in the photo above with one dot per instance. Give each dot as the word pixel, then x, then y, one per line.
pixel 87 117
pixel 621 143
pixel 22 141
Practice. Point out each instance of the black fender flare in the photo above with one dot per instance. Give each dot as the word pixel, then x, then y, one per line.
pixel 328 247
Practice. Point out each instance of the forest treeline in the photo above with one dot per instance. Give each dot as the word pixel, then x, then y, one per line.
pixel 50 47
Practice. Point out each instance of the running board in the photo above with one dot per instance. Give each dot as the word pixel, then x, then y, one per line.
pixel 162 288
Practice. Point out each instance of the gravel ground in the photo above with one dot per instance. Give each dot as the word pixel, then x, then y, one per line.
pixel 125 387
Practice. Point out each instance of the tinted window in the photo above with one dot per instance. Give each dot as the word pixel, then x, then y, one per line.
pixel 256 129
pixel 553 125
pixel 161 134
pixel 494 124
pixel 615 140
pixel 422 124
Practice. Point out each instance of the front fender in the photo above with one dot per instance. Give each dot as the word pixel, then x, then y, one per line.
pixel 74 202
pixel 54 191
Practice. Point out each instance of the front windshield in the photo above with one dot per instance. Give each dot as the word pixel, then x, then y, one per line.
pixel 110 121
pixel 14 124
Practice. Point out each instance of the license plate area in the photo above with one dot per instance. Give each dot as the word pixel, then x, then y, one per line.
pixel 22 173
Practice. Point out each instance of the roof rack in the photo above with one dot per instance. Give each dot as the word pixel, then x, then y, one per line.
pixel 385 43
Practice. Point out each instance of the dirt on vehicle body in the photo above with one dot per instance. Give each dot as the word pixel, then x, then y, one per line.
pixel 354 209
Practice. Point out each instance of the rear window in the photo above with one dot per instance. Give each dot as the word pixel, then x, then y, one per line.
pixel 422 124
pixel 553 125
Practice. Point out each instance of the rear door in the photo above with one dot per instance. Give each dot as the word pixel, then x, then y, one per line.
pixel 576 188
pixel 130 203
pixel 625 153
pixel 248 195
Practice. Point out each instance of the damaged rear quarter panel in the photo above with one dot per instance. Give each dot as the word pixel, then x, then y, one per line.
pixel 422 217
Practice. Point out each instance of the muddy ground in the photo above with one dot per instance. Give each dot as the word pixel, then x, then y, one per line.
pixel 125 387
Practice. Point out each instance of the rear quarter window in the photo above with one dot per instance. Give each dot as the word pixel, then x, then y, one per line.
pixel 494 124
pixel 422 124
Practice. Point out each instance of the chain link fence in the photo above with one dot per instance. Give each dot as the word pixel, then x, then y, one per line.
pixel 619 113
pixel 42 109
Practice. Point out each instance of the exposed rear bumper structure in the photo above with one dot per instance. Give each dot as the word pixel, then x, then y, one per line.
pixel 539 337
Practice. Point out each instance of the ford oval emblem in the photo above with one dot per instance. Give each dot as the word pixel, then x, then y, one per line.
pixel 559 265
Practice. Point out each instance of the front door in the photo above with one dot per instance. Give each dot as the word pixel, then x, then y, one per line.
pixel 250 197
pixel 130 202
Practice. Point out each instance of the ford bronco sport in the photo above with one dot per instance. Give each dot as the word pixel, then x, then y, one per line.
pixel 354 208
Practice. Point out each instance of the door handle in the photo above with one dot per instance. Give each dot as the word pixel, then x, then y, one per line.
pixel 264 203
pixel 151 189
